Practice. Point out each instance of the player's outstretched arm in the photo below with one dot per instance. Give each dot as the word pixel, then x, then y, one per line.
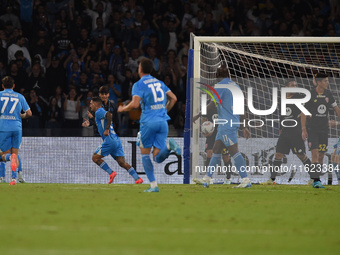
pixel 172 99
pixel 132 105
pixel 26 115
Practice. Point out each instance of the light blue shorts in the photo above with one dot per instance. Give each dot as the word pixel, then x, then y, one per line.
pixel 111 146
pixel 228 137
pixel 10 139
pixel 153 134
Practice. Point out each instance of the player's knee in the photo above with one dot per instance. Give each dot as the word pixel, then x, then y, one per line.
pixel 95 158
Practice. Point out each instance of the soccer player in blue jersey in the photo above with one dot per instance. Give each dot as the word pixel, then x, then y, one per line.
pixel 156 99
pixel 226 133
pixel 111 143
pixel 11 105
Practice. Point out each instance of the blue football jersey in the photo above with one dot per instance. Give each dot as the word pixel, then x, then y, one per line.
pixel 11 105
pixel 153 99
pixel 101 122
pixel 225 111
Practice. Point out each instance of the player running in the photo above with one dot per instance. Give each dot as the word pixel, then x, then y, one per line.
pixel 316 128
pixel 11 105
pixel 226 134
pixel 156 99
pixel 290 137
pixel 111 143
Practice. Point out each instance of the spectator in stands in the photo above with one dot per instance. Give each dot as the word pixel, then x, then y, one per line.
pixel 20 78
pixel 72 109
pixel 25 64
pixel 10 16
pixel 36 81
pixel 100 11
pixel 131 62
pixel 99 33
pixel 62 44
pixel 116 61
pixel 115 89
pixel 40 44
pixel 127 84
pixel 38 108
pixel 18 45
pixel 54 114
pixel 83 86
pixel 55 73
pixel 84 40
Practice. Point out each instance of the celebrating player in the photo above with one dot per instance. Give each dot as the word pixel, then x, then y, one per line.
pixel 156 99
pixel 316 129
pixel 11 105
pixel 108 105
pixel 111 143
pixel 290 137
pixel 226 134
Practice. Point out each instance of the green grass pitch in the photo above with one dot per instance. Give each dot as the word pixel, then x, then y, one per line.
pixel 66 219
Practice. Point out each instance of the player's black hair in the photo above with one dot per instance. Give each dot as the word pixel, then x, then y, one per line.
pixel 222 71
pixel 104 90
pixel 8 82
pixel 147 65
pixel 97 100
pixel 320 76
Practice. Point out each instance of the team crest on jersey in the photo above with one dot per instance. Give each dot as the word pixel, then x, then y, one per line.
pixel 322 109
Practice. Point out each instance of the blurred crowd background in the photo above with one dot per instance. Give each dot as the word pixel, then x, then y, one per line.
pixel 60 52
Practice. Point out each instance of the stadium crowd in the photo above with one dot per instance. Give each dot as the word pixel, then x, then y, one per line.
pixel 60 52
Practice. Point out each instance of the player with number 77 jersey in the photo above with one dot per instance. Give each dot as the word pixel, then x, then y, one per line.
pixel 155 99
pixel 11 105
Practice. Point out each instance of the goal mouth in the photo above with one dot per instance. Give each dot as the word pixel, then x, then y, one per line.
pixel 259 66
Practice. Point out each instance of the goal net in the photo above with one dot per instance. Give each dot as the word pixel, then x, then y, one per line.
pixel 262 63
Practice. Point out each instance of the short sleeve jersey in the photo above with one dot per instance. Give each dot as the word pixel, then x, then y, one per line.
pixel 225 110
pixel 319 106
pixel 11 105
pixel 153 99
pixel 101 122
pixel 292 113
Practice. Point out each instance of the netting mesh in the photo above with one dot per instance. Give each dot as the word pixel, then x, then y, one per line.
pixel 264 66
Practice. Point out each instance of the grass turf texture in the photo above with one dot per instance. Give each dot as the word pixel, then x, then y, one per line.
pixel 181 219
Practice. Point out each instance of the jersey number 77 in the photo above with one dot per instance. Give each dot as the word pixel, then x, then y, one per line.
pixel 6 99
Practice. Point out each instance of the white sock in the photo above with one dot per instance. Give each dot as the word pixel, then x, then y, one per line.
pixel 153 184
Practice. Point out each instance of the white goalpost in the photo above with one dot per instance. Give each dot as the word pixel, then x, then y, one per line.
pixel 261 63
